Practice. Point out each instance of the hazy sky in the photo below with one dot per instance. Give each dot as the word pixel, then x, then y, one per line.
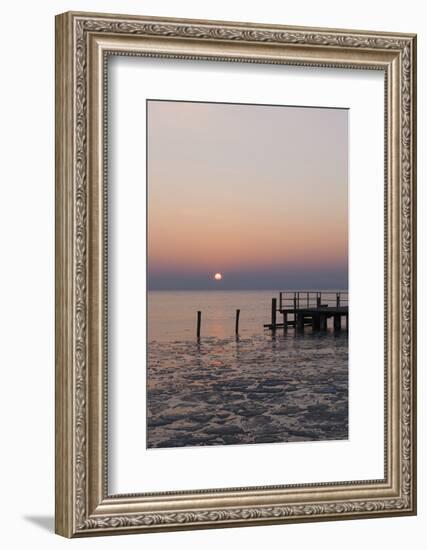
pixel 257 193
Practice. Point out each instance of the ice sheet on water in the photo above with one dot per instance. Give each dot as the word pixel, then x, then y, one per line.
pixel 263 389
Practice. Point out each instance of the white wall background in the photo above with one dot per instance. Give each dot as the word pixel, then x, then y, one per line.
pixel 27 273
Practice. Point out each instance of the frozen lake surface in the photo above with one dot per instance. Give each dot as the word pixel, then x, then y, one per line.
pixel 258 388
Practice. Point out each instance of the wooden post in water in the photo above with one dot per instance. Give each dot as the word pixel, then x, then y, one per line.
pixel 199 322
pixel 237 321
pixel 315 321
pixel 323 321
pixel 337 321
pixel 273 312
pixel 285 321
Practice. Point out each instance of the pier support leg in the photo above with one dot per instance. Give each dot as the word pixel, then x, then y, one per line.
pixel 323 321
pixel 300 322
pixel 273 313
pixel 315 322
pixel 285 321
pixel 337 322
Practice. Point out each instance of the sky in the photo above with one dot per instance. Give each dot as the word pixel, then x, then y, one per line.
pixel 256 193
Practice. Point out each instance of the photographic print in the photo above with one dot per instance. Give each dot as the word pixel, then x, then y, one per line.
pixel 247 274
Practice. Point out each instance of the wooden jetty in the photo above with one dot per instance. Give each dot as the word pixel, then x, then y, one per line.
pixel 312 308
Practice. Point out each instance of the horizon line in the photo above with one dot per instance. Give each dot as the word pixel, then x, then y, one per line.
pixel 281 289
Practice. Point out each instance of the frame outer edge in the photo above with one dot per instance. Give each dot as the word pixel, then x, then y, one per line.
pixel 233 24
pixel 64 386
pixel 414 271
pixel 73 517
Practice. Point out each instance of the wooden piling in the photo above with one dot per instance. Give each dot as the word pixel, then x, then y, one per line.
pixel 285 320
pixel 237 321
pixel 300 321
pixel 323 321
pixel 273 312
pixel 315 321
pixel 337 321
pixel 199 322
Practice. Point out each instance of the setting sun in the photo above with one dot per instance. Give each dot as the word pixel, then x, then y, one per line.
pixel 217 276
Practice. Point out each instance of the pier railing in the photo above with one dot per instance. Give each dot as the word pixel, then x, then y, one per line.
pixel 303 299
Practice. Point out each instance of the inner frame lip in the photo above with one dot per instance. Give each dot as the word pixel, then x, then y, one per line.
pixel 107 52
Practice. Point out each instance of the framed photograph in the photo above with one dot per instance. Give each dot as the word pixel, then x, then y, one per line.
pixel 235 274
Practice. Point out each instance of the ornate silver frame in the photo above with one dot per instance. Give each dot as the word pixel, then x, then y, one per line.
pixel 83 505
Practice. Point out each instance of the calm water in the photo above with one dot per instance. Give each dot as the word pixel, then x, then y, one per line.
pixel 257 388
